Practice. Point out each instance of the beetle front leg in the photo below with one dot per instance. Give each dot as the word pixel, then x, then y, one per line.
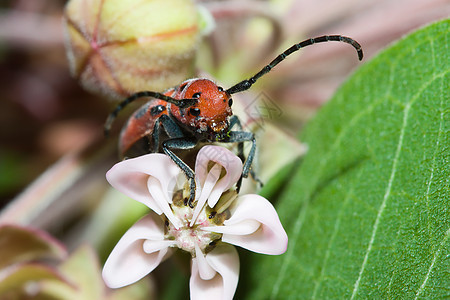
pixel 234 120
pixel 170 127
pixel 241 137
pixel 182 144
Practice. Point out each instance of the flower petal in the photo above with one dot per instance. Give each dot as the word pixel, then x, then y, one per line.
pixel 223 157
pixel 131 177
pixel 162 200
pixel 128 262
pixel 208 186
pixel 244 227
pixel 151 246
pixel 225 261
pixel 240 230
pixel 204 269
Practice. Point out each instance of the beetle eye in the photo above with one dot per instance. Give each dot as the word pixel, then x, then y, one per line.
pixel 195 112
pixel 230 102
pixel 196 95
pixel 220 89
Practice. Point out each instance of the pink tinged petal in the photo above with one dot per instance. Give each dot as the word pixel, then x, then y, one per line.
pixel 225 261
pixel 151 246
pixel 162 200
pixel 207 187
pixel 205 271
pixel 131 177
pixel 223 157
pixel 129 262
pixel 245 227
pixel 240 230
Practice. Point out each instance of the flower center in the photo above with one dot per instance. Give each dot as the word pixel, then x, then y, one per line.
pixel 186 236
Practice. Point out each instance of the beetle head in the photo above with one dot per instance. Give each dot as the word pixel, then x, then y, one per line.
pixel 210 115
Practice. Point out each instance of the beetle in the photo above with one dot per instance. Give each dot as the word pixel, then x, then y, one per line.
pixel 196 111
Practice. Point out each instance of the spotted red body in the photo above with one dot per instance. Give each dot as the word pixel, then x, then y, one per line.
pixel 207 120
pixel 141 125
pixel 196 111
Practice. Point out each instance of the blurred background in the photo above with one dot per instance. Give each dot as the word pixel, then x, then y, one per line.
pixel 45 115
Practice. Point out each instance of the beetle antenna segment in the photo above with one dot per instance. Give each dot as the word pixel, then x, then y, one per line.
pixel 183 103
pixel 247 83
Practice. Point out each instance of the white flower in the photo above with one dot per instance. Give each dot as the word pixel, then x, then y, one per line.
pixel 217 218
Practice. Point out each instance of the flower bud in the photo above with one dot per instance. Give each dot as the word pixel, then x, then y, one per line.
pixel 118 47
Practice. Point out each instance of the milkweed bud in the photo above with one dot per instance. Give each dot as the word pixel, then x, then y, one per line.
pixel 118 47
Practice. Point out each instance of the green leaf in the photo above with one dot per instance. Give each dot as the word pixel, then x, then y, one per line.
pixel 367 213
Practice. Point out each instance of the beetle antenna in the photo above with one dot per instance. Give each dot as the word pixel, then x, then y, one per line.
pixel 182 103
pixel 247 83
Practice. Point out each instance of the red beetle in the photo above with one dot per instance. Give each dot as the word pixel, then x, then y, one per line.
pixel 196 111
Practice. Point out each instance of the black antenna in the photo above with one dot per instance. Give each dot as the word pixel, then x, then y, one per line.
pixel 247 83
pixel 182 103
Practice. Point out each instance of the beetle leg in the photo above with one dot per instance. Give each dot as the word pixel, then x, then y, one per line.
pixel 170 127
pixel 234 120
pixel 240 137
pixel 155 135
pixel 182 143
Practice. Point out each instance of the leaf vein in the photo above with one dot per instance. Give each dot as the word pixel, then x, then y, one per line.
pixel 298 225
pixel 391 178
pixel 430 180
pixel 436 255
pixel 332 238
pixel 385 198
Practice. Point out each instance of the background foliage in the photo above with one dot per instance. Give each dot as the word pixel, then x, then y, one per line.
pixel 368 211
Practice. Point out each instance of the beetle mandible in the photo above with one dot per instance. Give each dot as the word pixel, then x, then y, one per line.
pixel 196 111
